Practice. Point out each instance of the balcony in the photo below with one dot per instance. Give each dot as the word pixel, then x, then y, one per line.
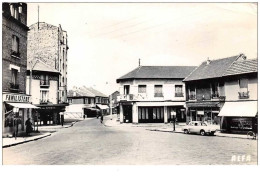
pixel 14 87
pixel 222 98
pixel 179 94
pixel 44 83
pixel 44 101
pixel 15 54
pixel 215 95
pixel 158 94
pixel 243 95
pixel 192 97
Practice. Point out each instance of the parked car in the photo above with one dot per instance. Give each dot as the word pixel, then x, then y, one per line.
pixel 199 128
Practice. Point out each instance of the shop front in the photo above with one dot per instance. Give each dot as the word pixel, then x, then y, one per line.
pixel 15 113
pixel 203 111
pixel 50 114
pixel 239 117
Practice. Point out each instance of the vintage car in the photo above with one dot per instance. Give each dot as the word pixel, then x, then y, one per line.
pixel 199 128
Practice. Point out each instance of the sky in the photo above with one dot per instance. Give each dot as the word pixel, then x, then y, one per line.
pixel 106 40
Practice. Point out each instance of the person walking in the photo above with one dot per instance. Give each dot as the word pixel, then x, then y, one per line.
pixel 28 126
pixel 101 119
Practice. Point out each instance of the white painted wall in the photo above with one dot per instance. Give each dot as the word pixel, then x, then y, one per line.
pixel 232 89
pixel 168 88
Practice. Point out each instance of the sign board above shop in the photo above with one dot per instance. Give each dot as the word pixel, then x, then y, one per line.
pixel 16 98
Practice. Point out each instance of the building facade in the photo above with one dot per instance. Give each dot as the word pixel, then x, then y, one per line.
pixel 45 93
pixel 86 101
pixel 49 44
pixel 239 113
pixel 14 63
pixel 114 102
pixel 205 89
pixel 218 87
pixel 153 94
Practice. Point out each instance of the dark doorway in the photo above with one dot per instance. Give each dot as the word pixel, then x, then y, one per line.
pixel 127 112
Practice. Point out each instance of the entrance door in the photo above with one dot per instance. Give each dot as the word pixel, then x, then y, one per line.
pixel 127 111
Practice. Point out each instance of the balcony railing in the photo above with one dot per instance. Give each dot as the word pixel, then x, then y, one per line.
pixel 222 98
pixel 214 95
pixel 192 97
pixel 243 95
pixel 179 94
pixel 158 94
pixel 14 87
pixel 44 101
pixel 16 54
pixel 44 82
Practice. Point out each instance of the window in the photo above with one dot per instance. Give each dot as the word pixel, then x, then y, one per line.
pixel 243 84
pixel 192 94
pixel 44 96
pixel 15 44
pixel 44 80
pixel 178 91
pixel 141 88
pixel 14 76
pixel 158 91
pixel 214 90
pixel 15 11
pixel 126 89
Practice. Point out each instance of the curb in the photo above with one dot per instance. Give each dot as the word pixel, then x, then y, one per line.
pixel 41 137
pixel 9 145
pixel 182 132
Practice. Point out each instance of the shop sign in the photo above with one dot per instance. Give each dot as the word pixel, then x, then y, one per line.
pixel 48 107
pixel 16 98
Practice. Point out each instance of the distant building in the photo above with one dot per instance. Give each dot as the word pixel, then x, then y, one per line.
pixel 44 91
pixel 153 94
pixel 14 63
pixel 114 99
pixel 86 101
pixel 223 91
pixel 49 44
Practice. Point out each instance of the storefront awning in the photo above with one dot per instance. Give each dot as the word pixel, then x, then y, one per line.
pixel 23 105
pixel 102 106
pixel 203 104
pixel 239 109
pixel 160 103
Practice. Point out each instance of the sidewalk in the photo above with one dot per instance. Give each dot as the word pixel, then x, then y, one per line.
pixel 44 131
pixel 161 127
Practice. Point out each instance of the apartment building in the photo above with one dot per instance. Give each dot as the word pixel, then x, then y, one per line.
pixel 153 94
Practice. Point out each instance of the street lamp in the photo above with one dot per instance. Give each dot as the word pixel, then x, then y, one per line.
pixel 15 111
pixel 173 113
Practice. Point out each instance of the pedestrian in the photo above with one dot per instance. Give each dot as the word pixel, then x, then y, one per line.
pixel 101 118
pixel 28 126
pixel 84 116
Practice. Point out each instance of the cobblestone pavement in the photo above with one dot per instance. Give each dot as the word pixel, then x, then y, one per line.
pixel 89 142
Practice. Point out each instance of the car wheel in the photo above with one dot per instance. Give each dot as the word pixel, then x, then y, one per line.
pixel 202 132
pixel 212 133
pixel 186 131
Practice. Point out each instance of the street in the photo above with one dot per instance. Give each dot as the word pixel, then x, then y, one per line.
pixel 90 142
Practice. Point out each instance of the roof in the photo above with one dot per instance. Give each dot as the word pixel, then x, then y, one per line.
pixel 170 72
pixel 212 69
pixel 242 67
pixel 85 92
pixel 41 66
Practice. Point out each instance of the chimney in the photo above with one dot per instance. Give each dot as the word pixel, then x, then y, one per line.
pixel 208 61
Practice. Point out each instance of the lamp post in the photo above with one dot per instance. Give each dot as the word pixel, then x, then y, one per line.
pixel 173 113
pixel 30 86
pixel 15 111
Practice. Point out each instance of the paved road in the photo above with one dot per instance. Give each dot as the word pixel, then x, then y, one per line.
pixel 89 142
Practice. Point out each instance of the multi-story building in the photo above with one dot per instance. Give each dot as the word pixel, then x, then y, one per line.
pixel 239 113
pixel 114 102
pixel 44 83
pixel 153 94
pixel 14 63
pixel 215 83
pixel 86 101
pixel 49 44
